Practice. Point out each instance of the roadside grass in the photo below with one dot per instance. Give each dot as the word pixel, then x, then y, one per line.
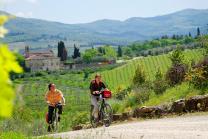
pixel 172 94
pixel 12 135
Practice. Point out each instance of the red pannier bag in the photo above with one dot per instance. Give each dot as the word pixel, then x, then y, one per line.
pixel 107 94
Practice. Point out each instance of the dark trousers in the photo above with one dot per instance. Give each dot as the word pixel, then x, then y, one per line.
pixel 50 112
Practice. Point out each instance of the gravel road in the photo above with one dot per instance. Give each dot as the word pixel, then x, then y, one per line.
pixel 184 127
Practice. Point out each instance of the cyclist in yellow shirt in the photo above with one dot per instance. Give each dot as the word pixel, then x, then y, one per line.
pixel 53 97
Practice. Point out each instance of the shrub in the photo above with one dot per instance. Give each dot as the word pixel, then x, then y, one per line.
pixel 138 95
pixel 121 94
pixel 176 73
pixel 19 121
pixel 79 118
pixel 198 75
pixel 177 56
pixel 159 85
pixel 203 42
pixel 139 77
pixel 40 73
pixel 117 106
pixel 136 98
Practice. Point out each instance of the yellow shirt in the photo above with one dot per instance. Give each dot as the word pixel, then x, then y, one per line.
pixel 54 97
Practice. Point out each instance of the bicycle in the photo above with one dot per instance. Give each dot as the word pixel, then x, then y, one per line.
pixel 55 122
pixel 105 111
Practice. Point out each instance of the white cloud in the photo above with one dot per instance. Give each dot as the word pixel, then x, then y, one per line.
pixel 24 14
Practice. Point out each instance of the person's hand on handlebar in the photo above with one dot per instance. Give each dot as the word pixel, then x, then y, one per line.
pixel 106 89
pixel 96 92
pixel 49 103
pixel 63 104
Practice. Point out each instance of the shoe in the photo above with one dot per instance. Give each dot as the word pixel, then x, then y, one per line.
pixel 49 128
pixel 59 119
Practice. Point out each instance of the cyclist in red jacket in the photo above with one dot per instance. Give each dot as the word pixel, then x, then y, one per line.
pixel 96 86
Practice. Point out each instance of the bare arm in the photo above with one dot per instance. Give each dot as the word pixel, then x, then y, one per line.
pixel 63 100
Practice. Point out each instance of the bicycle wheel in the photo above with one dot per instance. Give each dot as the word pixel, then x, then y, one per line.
pixel 56 123
pixel 93 121
pixel 107 115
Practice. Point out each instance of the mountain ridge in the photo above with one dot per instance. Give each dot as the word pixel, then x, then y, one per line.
pixel 107 31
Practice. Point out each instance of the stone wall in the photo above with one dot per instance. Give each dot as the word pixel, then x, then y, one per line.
pixel 193 104
pixel 49 64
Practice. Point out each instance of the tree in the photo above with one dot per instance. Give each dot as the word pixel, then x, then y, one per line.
pixel 198 32
pixel 76 52
pixel 188 40
pixel 164 37
pixel 21 61
pixel 120 53
pixel 109 52
pixel 101 50
pixel 60 48
pixel 89 54
pixel 8 64
pixel 174 37
pixel 176 73
pixel 127 51
pixel 155 43
pixel 62 52
pixel 64 55
pixel 203 41
pixel 177 56
pixel 190 34
pixel 139 76
pixel 159 84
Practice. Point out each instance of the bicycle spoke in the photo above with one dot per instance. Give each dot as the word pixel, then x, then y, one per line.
pixel 107 115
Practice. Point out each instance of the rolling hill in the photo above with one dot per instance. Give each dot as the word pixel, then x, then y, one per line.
pixel 122 77
pixel 32 31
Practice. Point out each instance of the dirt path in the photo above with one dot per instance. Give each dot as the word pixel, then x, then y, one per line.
pixel 185 127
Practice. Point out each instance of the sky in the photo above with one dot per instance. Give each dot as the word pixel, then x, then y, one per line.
pixel 84 11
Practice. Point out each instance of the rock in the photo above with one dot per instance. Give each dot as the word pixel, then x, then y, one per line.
pixel 159 111
pixel 197 103
pixel 147 112
pixel 178 106
pixel 117 117
pixel 87 126
pixel 165 108
pixel 125 116
pixel 141 112
pixel 78 127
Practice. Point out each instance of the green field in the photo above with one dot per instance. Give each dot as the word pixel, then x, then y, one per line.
pixel 122 76
pixel 30 105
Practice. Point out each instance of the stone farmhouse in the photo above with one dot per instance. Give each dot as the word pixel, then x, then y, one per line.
pixel 41 60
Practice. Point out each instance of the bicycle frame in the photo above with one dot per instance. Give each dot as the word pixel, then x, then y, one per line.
pixel 102 105
pixel 55 118
pixel 101 113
